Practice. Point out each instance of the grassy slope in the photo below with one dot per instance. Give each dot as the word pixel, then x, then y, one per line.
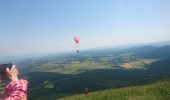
pixel 156 91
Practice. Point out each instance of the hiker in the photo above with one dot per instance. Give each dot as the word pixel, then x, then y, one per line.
pixel 16 89
pixel 86 91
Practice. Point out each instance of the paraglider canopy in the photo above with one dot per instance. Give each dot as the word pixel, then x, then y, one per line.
pixel 76 39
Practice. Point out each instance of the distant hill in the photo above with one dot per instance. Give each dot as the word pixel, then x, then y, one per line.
pixel 156 91
pixel 151 51
pixel 163 43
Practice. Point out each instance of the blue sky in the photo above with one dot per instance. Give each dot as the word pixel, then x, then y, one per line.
pixel 46 26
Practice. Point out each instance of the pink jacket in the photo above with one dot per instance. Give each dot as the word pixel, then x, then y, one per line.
pixel 16 90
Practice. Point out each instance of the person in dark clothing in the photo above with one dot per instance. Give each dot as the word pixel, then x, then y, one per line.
pixel 86 91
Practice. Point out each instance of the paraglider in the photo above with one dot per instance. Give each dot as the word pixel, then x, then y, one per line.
pixel 77 40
